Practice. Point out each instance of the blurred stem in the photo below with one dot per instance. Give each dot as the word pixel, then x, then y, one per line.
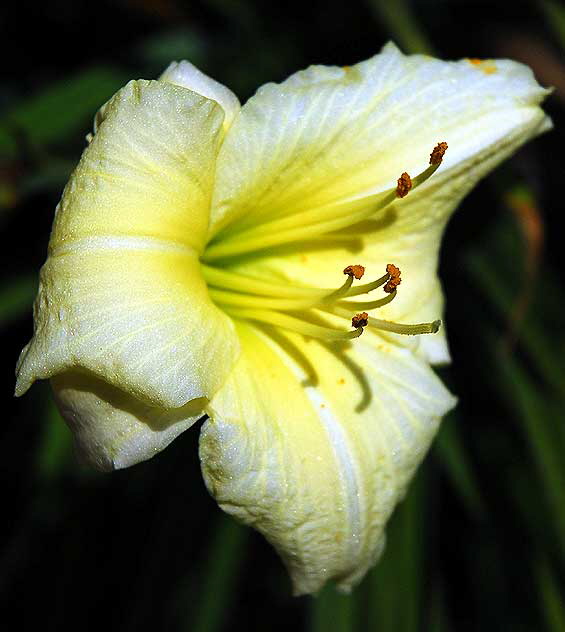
pixel 333 611
pixel 218 587
pixel 399 20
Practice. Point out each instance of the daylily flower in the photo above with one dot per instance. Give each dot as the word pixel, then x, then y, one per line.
pixel 196 268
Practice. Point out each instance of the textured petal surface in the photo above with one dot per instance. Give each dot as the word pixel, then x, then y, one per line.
pixel 317 458
pixel 185 74
pixel 148 171
pixel 111 429
pixel 121 294
pixel 334 134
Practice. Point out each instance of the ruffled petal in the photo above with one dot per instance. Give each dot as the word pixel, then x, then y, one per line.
pixel 313 445
pixel 121 294
pixel 185 74
pixel 327 135
pixel 113 430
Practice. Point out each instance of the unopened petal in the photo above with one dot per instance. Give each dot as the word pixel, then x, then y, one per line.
pixel 111 429
pixel 314 445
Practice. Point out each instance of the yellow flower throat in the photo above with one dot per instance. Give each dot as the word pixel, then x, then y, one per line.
pixel 294 307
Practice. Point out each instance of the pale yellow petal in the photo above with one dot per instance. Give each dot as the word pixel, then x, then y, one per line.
pixel 185 74
pixel 113 430
pixel 136 314
pixel 121 294
pixel 314 445
pixel 329 134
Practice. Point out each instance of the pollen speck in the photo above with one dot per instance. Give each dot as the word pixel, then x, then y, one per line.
pixel 341 380
pixel 486 65
pixel 394 278
pixel 360 320
pixel 438 153
pixel 404 184
pixel 356 271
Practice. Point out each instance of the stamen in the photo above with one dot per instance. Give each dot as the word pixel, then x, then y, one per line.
pixel 394 280
pixel 386 325
pixel 294 324
pixel 325 219
pixel 367 305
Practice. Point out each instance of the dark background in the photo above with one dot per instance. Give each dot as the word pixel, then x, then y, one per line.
pixel 479 543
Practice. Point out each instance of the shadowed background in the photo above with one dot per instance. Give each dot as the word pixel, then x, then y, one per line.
pixel 479 542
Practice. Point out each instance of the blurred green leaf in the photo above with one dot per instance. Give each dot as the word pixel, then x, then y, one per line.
pixel 58 111
pixel 451 453
pixel 16 298
pixel 402 26
pixel 552 598
pixel 438 619
pixel 547 450
pixel 55 447
pixel 174 45
pixel 223 558
pixel 540 347
pixel 396 584
pixel 555 15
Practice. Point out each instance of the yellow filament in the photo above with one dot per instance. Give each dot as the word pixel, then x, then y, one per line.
pixel 410 330
pixel 366 305
pixel 241 283
pixel 293 324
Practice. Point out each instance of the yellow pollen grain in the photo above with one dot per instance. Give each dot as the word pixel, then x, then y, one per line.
pixel 403 185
